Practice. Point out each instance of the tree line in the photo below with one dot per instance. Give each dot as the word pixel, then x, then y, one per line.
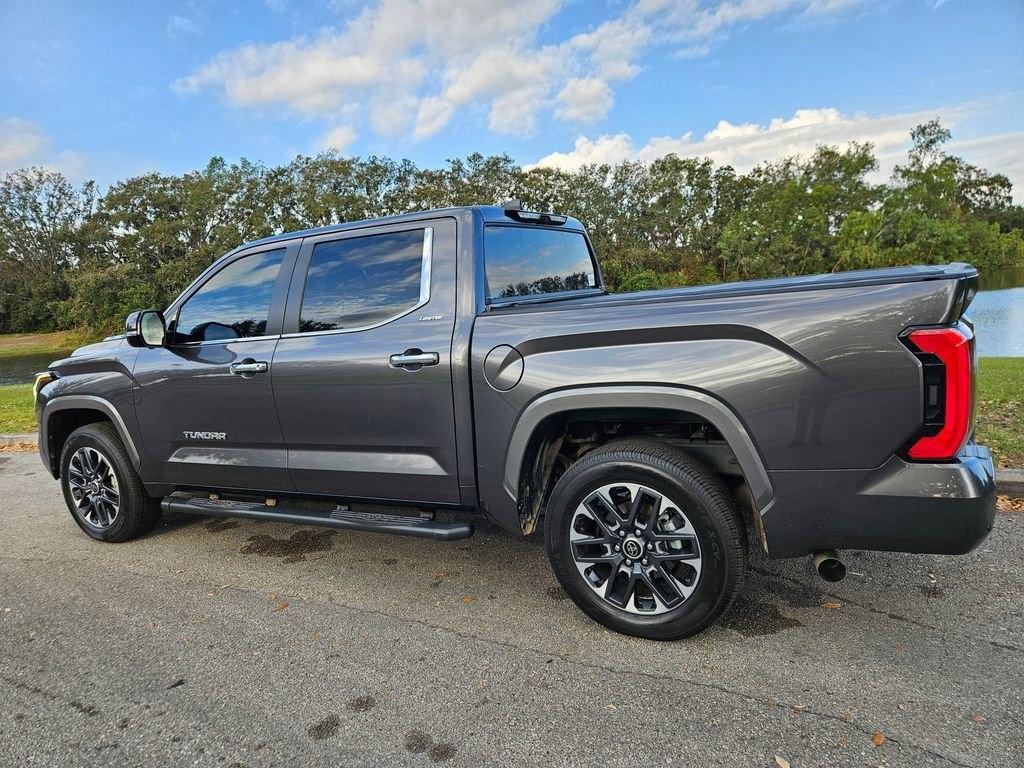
pixel 71 257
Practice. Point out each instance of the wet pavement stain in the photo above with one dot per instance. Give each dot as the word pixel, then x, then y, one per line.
pixel 754 619
pixel 932 590
pixel 441 752
pixel 293 549
pixel 221 524
pixel 361 704
pixel 419 742
pixel 325 728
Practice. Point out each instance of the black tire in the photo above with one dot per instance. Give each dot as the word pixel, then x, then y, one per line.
pixel 136 512
pixel 710 510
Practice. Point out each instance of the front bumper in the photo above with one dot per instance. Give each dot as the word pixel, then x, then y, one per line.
pixel 945 508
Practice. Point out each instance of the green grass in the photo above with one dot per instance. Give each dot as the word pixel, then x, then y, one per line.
pixel 999 411
pixel 17 412
pixel 23 344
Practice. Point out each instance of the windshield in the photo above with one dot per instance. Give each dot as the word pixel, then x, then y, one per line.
pixel 529 261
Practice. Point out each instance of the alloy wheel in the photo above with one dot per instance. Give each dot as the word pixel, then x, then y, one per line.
pixel 93 486
pixel 635 548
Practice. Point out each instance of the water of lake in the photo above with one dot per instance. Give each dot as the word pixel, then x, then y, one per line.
pixel 998 314
pixel 22 369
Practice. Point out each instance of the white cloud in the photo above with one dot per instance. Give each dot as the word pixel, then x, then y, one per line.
pixel 584 100
pixel 339 138
pixel 411 65
pixel 20 142
pixel 384 53
pixel 614 45
pixel 747 144
pixel 434 114
pixel 179 27
pixel 24 144
pixel 998 153
pixel 694 20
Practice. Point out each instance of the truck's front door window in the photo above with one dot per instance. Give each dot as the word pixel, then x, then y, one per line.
pixel 234 303
pixel 361 281
pixel 525 261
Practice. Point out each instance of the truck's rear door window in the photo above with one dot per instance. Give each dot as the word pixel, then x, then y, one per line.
pixel 527 261
pixel 362 281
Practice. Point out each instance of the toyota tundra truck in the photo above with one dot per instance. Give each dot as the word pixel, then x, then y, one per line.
pixel 469 361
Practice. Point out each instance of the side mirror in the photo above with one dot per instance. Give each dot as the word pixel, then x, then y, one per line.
pixel 145 328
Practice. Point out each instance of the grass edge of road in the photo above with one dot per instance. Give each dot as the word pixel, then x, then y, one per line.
pixel 999 405
pixel 17 411
pixel 999 401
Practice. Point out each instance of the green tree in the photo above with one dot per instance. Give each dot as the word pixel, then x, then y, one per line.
pixel 41 238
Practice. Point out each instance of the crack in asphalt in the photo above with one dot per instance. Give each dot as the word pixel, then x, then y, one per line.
pixel 86 709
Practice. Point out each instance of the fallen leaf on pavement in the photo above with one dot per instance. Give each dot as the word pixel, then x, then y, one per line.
pixel 833 606
pixel 467 599
pixel 281 605
pixel 781 762
pixel 1009 504
pixel 878 739
pixel 978 717
pixel 17 447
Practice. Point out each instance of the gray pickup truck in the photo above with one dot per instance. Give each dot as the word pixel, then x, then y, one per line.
pixel 469 361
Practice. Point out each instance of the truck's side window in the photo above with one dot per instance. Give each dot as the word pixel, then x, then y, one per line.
pixel 523 261
pixel 234 303
pixel 362 281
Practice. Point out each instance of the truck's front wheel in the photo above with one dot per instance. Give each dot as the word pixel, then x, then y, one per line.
pixel 101 487
pixel 646 540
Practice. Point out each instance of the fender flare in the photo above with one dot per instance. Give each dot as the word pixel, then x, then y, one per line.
pixel 84 403
pixel 643 396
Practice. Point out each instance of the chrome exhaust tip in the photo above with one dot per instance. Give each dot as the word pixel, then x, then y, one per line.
pixel 829 566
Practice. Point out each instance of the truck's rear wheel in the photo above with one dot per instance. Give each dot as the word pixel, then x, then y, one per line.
pixel 101 487
pixel 646 540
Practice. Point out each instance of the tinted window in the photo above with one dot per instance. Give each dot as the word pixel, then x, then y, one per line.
pixel 234 303
pixel 361 281
pixel 522 261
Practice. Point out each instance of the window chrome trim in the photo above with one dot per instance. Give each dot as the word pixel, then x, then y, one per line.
pixel 427 257
pixel 208 342
pixel 428 251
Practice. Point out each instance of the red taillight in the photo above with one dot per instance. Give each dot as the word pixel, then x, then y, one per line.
pixel 953 348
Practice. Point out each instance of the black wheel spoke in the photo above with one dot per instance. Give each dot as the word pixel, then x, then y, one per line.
pixel 598 506
pixel 634 579
pixel 662 585
pixel 582 556
pixel 689 550
pixel 644 498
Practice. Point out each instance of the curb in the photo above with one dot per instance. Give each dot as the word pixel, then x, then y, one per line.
pixel 1010 481
pixel 1007 480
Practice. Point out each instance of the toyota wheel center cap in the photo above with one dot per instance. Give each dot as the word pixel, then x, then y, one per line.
pixel 632 547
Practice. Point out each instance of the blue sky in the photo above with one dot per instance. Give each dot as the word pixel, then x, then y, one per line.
pixel 108 90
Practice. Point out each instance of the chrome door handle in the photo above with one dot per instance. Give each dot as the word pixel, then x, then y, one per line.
pixel 248 366
pixel 414 359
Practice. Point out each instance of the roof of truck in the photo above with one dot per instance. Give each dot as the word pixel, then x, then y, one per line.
pixel 489 213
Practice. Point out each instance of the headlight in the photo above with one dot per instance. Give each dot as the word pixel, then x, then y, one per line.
pixel 42 379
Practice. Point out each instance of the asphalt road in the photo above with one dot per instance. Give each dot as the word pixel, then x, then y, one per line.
pixel 234 643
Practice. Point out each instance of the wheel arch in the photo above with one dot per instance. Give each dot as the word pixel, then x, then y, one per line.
pixel 64 414
pixel 540 429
